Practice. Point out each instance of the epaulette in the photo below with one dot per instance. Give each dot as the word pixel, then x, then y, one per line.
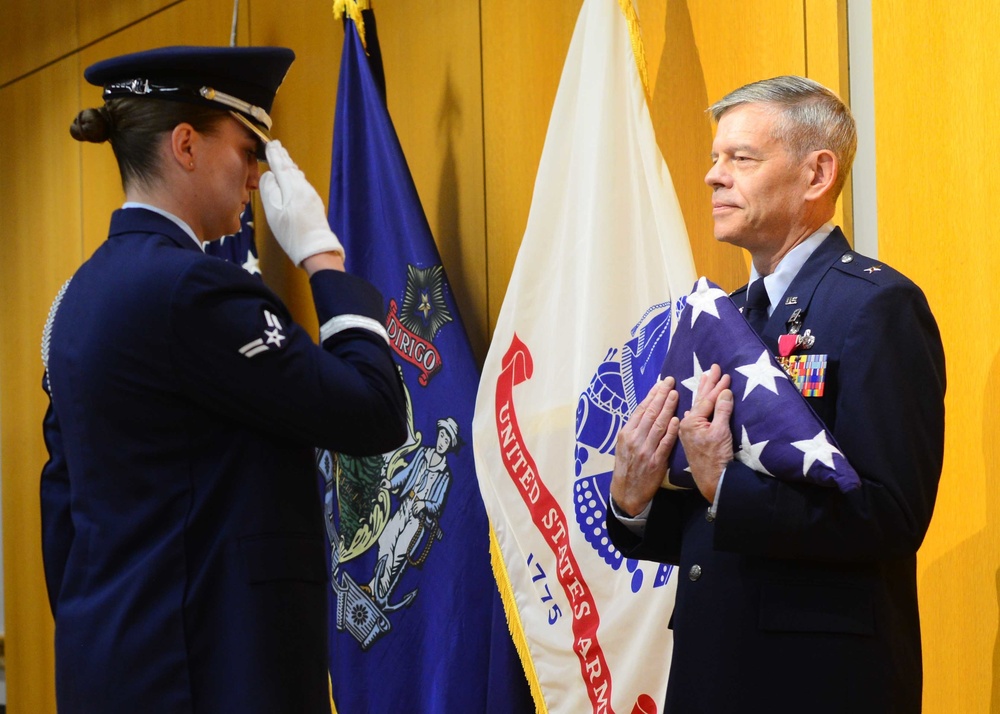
pixel 866 268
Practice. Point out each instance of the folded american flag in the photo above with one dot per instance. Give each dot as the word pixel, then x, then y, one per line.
pixel 775 431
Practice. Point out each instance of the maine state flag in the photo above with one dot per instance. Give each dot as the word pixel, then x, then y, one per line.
pixel 416 623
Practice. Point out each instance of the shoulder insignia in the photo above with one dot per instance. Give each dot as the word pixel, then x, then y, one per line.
pixel 862 266
pixel 273 338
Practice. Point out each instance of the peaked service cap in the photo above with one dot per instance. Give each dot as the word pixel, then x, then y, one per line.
pixel 241 79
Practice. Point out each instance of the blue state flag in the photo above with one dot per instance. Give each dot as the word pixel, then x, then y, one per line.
pixel 413 601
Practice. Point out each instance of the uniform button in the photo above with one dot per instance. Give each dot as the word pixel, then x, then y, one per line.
pixel 847 258
pixel 694 573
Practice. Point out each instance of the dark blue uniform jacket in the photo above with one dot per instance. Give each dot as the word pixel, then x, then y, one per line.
pixel 182 525
pixel 804 598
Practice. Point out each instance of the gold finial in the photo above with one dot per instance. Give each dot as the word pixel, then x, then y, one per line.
pixel 353 8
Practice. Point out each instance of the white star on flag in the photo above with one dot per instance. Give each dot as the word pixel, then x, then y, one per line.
pixel 816 449
pixel 749 453
pixel 703 300
pixel 692 382
pixel 776 416
pixel 252 265
pixel 761 373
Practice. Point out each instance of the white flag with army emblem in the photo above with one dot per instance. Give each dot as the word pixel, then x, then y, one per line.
pixel 579 341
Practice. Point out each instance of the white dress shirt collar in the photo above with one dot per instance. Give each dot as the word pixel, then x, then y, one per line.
pixel 167 214
pixel 777 282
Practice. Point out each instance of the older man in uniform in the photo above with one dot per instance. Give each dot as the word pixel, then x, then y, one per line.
pixel 792 597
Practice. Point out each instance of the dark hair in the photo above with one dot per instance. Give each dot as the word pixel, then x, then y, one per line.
pixel 134 127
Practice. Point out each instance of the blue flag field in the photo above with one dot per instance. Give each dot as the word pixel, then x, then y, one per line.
pixel 415 618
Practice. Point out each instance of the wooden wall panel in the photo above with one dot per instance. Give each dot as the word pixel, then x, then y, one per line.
pixel 100 19
pixel 41 247
pixel 523 56
pixel 826 63
pixel 34 33
pixel 706 54
pixel 936 103
pixel 434 86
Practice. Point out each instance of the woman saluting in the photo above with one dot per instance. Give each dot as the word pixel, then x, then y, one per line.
pixel 182 526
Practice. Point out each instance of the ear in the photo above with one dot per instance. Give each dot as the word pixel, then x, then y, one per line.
pixel 822 169
pixel 182 145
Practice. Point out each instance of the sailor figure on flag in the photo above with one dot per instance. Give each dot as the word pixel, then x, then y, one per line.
pixel 413 528
pixel 418 505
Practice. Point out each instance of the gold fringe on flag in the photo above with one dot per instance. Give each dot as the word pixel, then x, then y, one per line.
pixel 353 8
pixel 632 18
pixel 514 622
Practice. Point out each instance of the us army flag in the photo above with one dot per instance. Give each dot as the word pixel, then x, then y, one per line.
pixel 412 597
pixel 579 341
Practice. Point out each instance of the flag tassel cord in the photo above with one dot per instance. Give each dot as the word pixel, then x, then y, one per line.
pixel 353 9
pixel 514 622
pixel 638 51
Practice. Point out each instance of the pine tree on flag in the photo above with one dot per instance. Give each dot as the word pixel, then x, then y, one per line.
pixel 413 600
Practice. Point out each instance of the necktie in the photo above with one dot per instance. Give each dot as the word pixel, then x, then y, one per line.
pixel 755 311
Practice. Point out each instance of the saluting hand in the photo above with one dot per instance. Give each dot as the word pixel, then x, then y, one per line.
pixel 644 444
pixel 294 210
pixel 707 444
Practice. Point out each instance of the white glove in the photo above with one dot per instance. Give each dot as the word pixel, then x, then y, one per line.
pixel 293 208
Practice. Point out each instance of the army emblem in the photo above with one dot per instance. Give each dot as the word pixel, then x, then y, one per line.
pixel 617 387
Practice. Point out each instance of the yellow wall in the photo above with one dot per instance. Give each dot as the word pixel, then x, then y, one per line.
pixel 470 87
pixel 937 96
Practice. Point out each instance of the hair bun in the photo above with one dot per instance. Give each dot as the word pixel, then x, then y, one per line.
pixel 93 125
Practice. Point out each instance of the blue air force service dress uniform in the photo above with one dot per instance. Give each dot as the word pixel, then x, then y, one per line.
pixel 797 598
pixel 182 524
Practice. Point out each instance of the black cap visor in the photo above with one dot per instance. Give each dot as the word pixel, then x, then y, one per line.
pixel 262 137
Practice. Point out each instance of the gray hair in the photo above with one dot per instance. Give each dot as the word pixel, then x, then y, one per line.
pixel 810 117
